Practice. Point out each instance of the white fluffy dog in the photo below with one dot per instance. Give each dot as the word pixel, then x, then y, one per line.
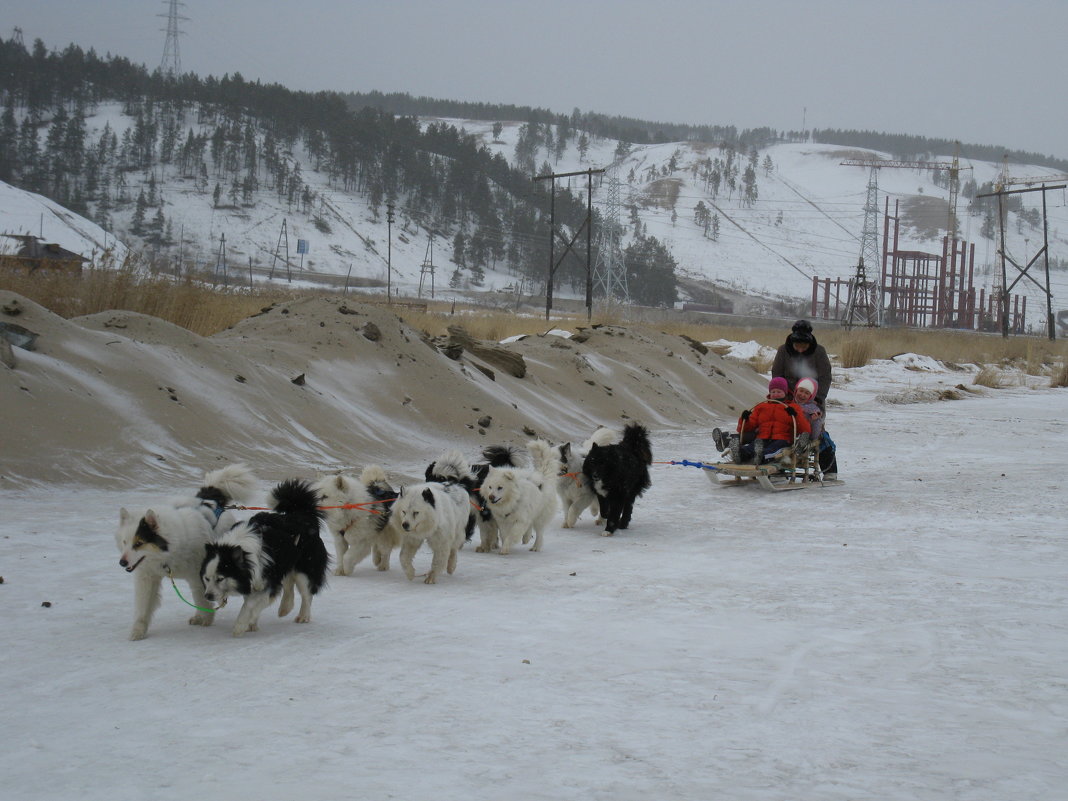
pixel 576 494
pixel 523 500
pixel 168 540
pixel 360 523
pixel 437 514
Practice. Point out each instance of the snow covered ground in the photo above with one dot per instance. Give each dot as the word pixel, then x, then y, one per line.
pixel 899 637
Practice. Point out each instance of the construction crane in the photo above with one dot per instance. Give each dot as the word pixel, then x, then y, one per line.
pixel 1034 179
pixel 953 167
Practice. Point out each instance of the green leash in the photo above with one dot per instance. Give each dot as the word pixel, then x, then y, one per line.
pixel 201 608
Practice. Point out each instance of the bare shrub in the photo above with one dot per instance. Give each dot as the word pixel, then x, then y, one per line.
pixel 989 376
pixel 1059 376
pixel 762 363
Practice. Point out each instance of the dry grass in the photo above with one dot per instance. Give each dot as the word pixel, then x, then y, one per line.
pixel 186 303
pixel 1059 375
pixel 989 376
pixel 199 307
pixel 857 351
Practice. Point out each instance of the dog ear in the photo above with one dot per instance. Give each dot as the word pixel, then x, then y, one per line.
pixel 151 520
pixel 339 482
pixel 565 450
pixel 123 516
pixel 428 496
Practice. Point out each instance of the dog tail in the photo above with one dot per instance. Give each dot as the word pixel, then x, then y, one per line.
pixel 451 466
pixel 296 496
pixel 501 456
pixel 378 487
pixel 234 483
pixel 544 457
pixel 601 437
pixel 373 474
pixel 636 439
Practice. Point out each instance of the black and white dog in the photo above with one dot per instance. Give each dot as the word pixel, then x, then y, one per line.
pixel 168 540
pixel 576 494
pixel 357 514
pixel 268 554
pixel 619 474
pixel 450 467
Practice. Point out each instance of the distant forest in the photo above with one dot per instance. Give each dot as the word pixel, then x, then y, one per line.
pixel 640 132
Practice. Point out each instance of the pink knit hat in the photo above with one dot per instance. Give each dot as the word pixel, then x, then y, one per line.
pixel 778 383
pixel 808 383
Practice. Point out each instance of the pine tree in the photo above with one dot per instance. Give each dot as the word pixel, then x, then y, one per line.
pixel 137 224
pixel 9 141
pixel 459 243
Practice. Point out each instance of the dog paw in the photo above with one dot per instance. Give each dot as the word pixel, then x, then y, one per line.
pixel 302 619
pixel 239 631
pixel 481 549
pixel 430 579
pixel 201 620
pixel 607 533
pixel 138 634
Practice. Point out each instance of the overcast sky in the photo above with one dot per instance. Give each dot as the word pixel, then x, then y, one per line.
pixel 979 71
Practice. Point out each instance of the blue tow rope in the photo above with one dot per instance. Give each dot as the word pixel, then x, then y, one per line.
pixel 688 463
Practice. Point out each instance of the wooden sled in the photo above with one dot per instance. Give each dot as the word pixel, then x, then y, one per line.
pixel 768 476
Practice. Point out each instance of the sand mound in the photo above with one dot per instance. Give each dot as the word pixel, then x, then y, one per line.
pixel 325 384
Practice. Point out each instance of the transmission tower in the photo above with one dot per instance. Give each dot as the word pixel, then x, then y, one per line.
pixel 609 274
pixel 427 268
pixel 172 58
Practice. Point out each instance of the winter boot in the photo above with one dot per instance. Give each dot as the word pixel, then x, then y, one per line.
pixel 735 445
pixel 758 451
pixel 720 439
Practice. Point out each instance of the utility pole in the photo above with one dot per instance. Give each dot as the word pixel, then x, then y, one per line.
pixel 587 224
pixel 1005 287
pixel 389 253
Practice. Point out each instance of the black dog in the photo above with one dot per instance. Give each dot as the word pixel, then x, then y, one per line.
pixel 269 554
pixel 619 474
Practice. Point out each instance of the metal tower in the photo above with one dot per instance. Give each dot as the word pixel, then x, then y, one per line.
pixel 172 59
pixel 865 304
pixel 427 267
pixel 609 273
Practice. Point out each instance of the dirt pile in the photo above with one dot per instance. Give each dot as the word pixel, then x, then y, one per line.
pixel 324 384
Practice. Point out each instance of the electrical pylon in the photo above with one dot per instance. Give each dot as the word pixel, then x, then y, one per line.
pixel 865 306
pixel 172 58
pixel 609 272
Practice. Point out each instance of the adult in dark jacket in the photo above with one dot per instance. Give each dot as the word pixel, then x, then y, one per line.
pixel 801 356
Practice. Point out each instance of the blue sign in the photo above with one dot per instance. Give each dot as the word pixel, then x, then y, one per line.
pixel 302 246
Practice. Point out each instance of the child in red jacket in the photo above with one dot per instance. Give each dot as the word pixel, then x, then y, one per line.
pixel 768 427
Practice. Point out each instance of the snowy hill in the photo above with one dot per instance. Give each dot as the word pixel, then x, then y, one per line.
pixel 805 220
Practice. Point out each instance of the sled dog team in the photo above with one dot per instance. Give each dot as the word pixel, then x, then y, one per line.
pixel 280 552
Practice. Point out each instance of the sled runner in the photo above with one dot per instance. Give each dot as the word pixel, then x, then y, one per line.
pixel 768 476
